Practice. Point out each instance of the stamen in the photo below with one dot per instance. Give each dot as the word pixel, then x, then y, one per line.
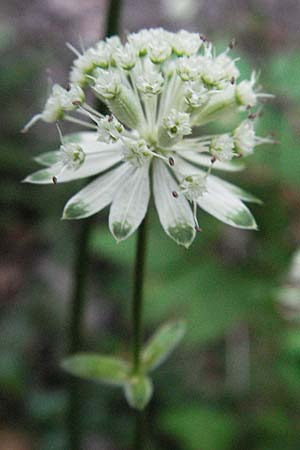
pixel 171 161
pixel 175 194
pixel 197 227
pixel 54 179
pixel 91 109
pixel 31 122
pixel 73 49
pixel 80 122
pixel 232 43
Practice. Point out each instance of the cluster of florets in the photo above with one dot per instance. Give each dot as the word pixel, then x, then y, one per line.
pixel 159 86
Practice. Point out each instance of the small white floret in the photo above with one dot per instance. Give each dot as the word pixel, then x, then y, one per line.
pixel 222 147
pixel 177 124
pixel 109 129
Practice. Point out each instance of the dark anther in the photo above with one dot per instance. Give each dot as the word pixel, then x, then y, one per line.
pixel 213 159
pixel 198 229
pixel 252 116
pixel 171 161
pixel 203 38
pixel 232 81
pixel 232 43
pixel 54 179
pixel 110 118
pixel 76 103
pixel 175 194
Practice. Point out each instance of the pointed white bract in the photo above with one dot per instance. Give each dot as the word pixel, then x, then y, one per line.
pixel 157 87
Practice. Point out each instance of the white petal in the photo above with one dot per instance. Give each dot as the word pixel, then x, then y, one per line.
pixel 97 194
pixel 221 200
pixel 86 139
pixel 175 214
pixel 130 204
pixel 109 154
pixel 82 138
pixel 236 190
pixel 227 208
pixel 48 159
pixel 205 160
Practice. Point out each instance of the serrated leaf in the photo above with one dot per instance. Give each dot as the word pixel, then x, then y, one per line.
pixel 104 369
pixel 138 391
pixel 161 345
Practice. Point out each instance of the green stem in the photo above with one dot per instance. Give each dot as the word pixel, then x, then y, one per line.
pixel 113 17
pixel 79 279
pixel 75 340
pixel 138 435
pixel 137 317
pixel 137 306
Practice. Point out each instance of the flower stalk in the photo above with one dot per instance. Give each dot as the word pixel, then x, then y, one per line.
pixel 75 339
pixel 137 305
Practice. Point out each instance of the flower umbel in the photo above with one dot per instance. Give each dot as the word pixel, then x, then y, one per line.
pixel 159 87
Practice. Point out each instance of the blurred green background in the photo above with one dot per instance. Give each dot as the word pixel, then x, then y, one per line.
pixel 234 383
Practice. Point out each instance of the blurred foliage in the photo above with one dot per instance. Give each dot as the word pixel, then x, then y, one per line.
pixel 226 287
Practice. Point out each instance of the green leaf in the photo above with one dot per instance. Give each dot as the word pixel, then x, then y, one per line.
pixel 105 369
pixel 161 345
pixel 138 391
pixel 198 427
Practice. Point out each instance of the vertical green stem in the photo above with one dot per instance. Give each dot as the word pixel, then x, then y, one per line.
pixel 137 306
pixel 113 17
pixel 138 434
pixel 137 317
pixel 79 286
pixel 76 314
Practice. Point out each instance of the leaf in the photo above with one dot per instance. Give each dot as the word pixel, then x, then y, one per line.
pixel 161 345
pixel 138 391
pixel 198 427
pixel 105 369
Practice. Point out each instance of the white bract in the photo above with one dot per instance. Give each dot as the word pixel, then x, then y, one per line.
pixel 158 87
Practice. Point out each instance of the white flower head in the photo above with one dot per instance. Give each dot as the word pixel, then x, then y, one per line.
pixel 245 93
pixel 59 101
pixel 177 124
pixel 244 138
pixel 150 83
pixel 218 71
pixel 107 83
pixel 136 152
pixel 196 94
pixel 159 89
pixel 73 155
pixel 94 57
pixel 159 51
pixel 193 186
pixel 186 44
pixel 190 68
pixel 109 129
pixel 126 57
pixel 70 99
pixel 140 41
pixel 222 147
pixel 53 108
